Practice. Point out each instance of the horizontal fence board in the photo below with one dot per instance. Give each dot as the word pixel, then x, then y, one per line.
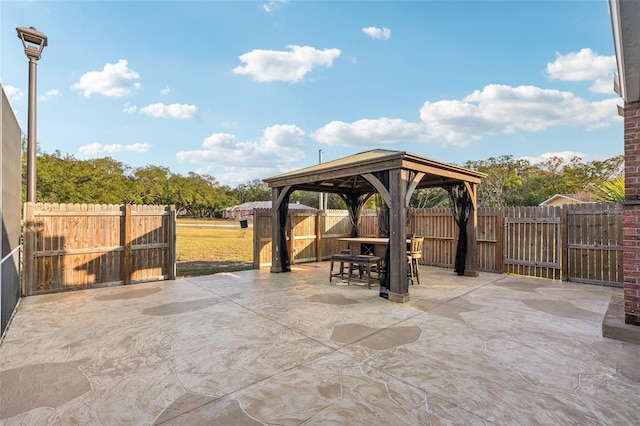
pixel 594 247
pixel 532 263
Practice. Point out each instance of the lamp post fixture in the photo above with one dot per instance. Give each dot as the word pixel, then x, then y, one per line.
pixel 34 42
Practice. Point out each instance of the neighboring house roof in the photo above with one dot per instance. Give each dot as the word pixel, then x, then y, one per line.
pixel 569 198
pixel 264 205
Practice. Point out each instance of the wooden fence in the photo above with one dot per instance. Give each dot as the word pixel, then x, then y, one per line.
pixel 73 246
pixel 579 243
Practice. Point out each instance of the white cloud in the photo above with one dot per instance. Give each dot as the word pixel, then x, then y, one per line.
pixel 115 80
pixel 277 150
pixel 494 110
pixel 129 109
pixel 291 66
pixel 50 94
pixel 177 111
pixel 13 93
pixel 165 91
pixel 603 85
pixel 585 65
pixel 273 5
pixel 95 149
pixel 382 131
pixel 566 155
pixel 378 33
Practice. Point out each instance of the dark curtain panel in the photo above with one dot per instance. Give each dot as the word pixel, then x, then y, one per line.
pixel 461 209
pixel 412 174
pixel 383 218
pixel 283 211
pixel 354 204
pixel 385 282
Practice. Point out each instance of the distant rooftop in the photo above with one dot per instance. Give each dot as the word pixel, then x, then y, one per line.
pixel 265 205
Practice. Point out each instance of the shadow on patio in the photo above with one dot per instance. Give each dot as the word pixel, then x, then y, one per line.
pixel 253 347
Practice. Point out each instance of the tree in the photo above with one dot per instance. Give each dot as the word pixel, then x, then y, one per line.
pixel 612 191
pixel 200 195
pixel 307 198
pixel 558 176
pixel 503 181
pixel 509 182
pixel 255 190
pixel 97 181
pixel 430 198
pixel 154 181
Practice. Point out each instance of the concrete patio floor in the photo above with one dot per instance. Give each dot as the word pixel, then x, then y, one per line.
pixel 258 348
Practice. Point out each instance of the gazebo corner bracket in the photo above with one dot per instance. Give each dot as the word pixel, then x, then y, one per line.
pixel 384 192
pixel 412 187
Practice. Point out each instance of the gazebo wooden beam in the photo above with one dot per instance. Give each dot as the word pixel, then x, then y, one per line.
pixel 398 281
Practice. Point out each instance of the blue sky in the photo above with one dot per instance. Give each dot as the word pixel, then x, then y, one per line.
pixel 243 90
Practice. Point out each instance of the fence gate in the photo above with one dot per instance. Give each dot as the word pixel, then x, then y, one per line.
pixel 533 241
pixel 594 244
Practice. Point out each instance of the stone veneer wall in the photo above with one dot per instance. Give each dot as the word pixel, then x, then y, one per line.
pixel 631 233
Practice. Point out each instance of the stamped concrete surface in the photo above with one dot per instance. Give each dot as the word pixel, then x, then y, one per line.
pixel 252 348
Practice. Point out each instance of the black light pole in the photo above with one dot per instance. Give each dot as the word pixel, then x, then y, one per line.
pixel 34 42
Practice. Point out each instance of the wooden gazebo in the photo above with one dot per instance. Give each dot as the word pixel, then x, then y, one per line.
pixel 395 175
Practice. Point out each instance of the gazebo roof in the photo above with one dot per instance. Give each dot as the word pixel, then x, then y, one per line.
pixel 344 175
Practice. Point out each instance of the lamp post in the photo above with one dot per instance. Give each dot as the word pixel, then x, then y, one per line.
pixel 34 42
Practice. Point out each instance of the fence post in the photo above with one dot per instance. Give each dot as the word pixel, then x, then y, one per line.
pixel 256 239
pixel 499 247
pixel 319 236
pixel 29 242
pixel 126 264
pixel 172 243
pixel 564 244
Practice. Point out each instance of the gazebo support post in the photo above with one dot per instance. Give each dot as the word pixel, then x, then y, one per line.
pixel 397 268
pixel 277 196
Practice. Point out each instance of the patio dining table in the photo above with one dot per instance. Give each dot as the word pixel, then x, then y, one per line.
pixel 367 245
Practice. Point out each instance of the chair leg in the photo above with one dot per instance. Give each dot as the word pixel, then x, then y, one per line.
pixel 415 268
pixel 331 271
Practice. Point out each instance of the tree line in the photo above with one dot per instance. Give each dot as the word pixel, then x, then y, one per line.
pixel 509 182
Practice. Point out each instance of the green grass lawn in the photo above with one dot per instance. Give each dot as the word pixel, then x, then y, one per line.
pixel 204 250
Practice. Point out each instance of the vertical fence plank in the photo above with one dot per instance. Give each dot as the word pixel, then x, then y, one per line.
pixel 564 244
pixel 499 247
pixel 172 241
pixel 319 221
